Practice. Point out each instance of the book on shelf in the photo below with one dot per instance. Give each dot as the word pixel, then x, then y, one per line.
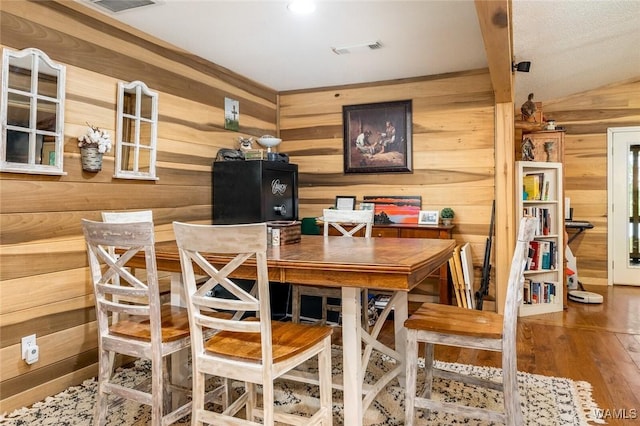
pixel 531 186
pixel 533 256
pixel 541 256
pixel 546 188
pixel 544 217
pixel 526 291
pixel 545 254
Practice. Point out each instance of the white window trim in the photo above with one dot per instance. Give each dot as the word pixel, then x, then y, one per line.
pixel 141 89
pixel 30 167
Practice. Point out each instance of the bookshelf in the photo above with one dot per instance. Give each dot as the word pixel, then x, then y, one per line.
pixel 541 195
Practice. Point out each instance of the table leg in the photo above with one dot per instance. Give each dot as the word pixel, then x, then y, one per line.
pixel 351 356
pixel 400 314
pixel 445 288
pixel 180 368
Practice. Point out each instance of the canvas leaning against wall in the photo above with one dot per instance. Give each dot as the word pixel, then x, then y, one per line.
pixel 395 209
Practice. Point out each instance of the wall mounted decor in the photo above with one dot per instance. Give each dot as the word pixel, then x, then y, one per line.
pixel 377 137
pixel 231 114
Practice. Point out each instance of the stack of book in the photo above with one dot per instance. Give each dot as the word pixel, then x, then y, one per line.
pixel 544 218
pixel 535 292
pixel 542 255
pixel 536 186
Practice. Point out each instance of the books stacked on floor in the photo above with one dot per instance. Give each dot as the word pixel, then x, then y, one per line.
pixel 535 292
pixel 542 255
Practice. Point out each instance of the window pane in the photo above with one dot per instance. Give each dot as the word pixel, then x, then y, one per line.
pixel 46 116
pixel 146 106
pixel 17 146
pixel 145 133
pixel 127 157
pixel 18 111
pixel 144 161
pixel 20 74
pixel 128 130
pixel 129 102
pixel 47 80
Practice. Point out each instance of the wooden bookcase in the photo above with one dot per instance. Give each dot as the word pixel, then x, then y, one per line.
pixel 547 263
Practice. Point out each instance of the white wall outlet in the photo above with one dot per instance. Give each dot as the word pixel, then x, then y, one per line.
pixel 30 350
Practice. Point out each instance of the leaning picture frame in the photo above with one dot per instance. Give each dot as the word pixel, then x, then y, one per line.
pixel 378 137
pixel 428 217
pixel 345 202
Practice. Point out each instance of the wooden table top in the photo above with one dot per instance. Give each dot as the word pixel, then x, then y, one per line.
pixel 376 263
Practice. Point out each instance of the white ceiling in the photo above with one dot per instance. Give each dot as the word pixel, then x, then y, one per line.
pixel 573 45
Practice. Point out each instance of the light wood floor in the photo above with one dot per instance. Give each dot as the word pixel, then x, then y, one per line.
pixel 599 344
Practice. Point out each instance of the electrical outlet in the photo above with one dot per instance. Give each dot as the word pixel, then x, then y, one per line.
pixel 30 351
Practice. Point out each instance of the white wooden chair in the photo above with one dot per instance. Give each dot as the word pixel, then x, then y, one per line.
pixel 128 216
pixel 354 220
pixel 125 217
pixel 150 330
pixel 456 326
pixel 252 350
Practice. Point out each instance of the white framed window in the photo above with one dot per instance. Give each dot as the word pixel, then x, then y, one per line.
pixel 136 132
pixel 32 113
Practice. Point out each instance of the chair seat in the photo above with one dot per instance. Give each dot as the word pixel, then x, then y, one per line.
pixel 175 324
pixel 453 320
pixel 289 339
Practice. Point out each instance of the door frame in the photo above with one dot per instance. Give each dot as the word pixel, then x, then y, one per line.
pixel 611 131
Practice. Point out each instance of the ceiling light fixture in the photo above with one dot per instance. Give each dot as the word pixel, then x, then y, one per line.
pixel 372 45
pixel 302 7
pixel 521 66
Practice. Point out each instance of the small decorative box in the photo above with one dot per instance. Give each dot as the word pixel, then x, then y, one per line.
pixel 254 154
pixel 284 232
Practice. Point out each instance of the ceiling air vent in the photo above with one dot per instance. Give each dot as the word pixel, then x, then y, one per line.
pixel 116 6
pixel 375 45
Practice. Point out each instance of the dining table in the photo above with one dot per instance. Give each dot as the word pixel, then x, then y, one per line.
pixel 392 265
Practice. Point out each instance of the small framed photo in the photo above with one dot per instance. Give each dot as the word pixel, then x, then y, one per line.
pixel 345 202
pixel 231 114
pixel 428 217
pixel 367 206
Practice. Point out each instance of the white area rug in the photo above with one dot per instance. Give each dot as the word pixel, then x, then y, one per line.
pixel 545 400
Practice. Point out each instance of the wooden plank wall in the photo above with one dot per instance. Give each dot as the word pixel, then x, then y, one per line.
pixel 453 148
pixel 44 283
pixel 586 117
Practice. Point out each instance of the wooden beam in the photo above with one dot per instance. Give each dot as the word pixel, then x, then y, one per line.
pixel 505 229
pixel 495 23
pixel 494 17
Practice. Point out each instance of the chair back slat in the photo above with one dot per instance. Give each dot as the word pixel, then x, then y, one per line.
pixel 358 218
pixel 116 289
pixel 243 242
pixel 128 216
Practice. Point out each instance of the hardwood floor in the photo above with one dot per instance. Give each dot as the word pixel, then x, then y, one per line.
pixel 599 344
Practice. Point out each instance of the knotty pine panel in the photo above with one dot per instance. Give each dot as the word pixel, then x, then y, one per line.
pixel 17 227
pixel 54 347
pixel 43 382
pixel 453 147
pixel 44 279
